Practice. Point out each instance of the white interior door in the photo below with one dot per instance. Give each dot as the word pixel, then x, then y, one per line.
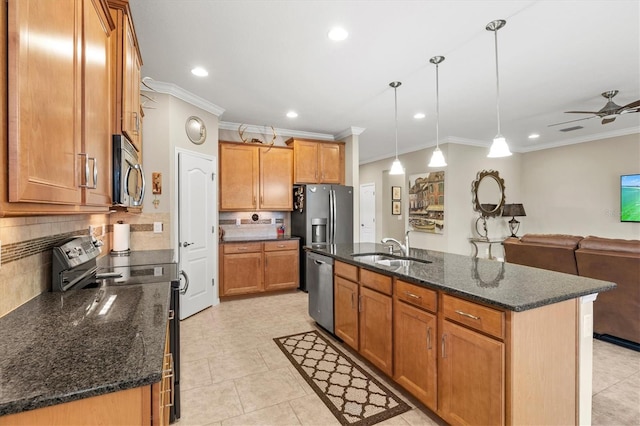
pixel 196 237
pixel 368 213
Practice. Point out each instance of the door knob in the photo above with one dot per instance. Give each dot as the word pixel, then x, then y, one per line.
pixel 187 244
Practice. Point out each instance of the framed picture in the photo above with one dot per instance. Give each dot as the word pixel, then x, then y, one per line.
pixel 396 193
pixel 396 207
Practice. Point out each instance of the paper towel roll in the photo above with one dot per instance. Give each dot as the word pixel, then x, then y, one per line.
pixel 120 237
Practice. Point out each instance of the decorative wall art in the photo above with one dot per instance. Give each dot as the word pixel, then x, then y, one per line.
pixel 426 202
pixel 396 207
pixel 396 193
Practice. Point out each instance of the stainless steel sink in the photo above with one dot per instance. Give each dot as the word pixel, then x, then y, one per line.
pixel 386 259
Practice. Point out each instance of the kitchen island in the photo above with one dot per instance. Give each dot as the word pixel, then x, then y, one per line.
pixel 476 341
pixel 96 355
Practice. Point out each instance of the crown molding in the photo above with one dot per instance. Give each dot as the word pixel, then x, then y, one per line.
pixel 252 128
pixel 180 93
pixel 589 138
pixel 351 131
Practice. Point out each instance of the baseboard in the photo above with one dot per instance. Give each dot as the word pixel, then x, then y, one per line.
pixel 618 341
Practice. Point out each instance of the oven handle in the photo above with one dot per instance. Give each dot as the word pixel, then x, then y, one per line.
pixel 186 282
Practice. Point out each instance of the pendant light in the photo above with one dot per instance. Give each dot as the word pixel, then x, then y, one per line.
pixel 499 147
pixel 396 166
pixel 437 159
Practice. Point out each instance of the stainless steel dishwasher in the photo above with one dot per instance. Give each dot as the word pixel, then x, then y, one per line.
pixel 319 277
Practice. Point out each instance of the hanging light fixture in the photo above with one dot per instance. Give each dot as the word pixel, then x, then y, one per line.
pixel 499 147
pixel 396 166
pixel 437 159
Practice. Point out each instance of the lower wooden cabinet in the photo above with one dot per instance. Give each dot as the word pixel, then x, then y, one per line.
pixel 256 267
pixel 346 299
pixel 415 350
pixel 376 341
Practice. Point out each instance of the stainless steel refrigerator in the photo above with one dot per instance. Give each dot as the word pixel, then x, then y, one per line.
pixel 323 214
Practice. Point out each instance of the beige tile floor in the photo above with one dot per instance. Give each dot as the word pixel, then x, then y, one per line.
pixel 234 374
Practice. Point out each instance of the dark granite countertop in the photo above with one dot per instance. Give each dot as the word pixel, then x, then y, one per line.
pixel 503 285
pixel 256 239
pixel 61 347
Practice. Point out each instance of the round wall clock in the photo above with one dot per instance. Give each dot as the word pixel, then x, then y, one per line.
pixel 196 130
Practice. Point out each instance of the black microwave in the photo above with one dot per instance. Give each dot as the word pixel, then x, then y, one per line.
pixel 128 176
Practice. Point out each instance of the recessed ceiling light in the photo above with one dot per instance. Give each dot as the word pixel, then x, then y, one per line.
pixel 419 115
pixel 338 34
pixel 292 114
pixel 200 72
pixel 534 136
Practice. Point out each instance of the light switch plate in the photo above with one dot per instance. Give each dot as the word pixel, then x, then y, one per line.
pixel 157 227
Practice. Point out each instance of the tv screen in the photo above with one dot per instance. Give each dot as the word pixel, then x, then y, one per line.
pixel 630 198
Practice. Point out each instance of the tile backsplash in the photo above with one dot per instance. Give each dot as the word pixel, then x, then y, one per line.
pixel 253 225
pixel 25 254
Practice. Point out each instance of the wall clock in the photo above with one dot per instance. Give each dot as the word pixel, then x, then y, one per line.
pixel 196 130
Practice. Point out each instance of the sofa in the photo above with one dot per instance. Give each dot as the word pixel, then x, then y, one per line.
pixel 616 313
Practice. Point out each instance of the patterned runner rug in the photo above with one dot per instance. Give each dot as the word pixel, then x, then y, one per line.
pixel 352 395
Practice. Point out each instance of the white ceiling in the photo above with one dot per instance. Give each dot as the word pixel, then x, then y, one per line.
pixel 267 57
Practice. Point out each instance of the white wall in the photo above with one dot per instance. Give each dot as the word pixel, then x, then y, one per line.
pixel 572 190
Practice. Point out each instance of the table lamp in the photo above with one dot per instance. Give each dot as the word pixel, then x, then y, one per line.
pixel 513 210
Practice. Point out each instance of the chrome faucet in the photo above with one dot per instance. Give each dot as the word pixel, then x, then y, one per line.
pixel 403 248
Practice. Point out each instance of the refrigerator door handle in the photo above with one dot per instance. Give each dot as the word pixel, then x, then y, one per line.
pixel 332 210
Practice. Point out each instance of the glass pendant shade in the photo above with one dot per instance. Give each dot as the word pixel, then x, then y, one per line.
pixel 437 159
pixel 396 168
pixel 499 148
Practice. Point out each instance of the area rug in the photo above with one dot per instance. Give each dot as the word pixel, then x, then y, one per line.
pixel 352 395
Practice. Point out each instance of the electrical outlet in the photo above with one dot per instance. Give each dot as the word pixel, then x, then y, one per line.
pixel 238 221
pixel 104 229
pixel 157 227
pixel 91 230
pixel 157 271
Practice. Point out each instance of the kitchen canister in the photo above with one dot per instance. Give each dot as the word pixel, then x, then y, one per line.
pixel 120 238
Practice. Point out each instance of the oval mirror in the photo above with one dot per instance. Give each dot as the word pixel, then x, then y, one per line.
pixel 196 130
pixel 488 193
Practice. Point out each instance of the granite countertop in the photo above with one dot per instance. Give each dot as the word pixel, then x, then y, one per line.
pixel 503 285
pixel 256 239
pixel 61 347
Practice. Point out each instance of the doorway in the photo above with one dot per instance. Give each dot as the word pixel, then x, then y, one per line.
pixel 368 213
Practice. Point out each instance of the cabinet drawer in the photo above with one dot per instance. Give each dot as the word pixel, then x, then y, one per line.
pixel 242 248
pixel 478 317
pixel 345 270
pixel 416 295
pixel 281 245
pixel 375 281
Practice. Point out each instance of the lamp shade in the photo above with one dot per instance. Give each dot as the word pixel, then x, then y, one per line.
pixel 499 148
pixel 396 168
pixel 437 159
pixel 513 210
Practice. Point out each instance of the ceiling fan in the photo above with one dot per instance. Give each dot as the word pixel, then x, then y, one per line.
pixel 608 113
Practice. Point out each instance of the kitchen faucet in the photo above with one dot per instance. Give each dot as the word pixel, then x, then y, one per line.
pixel 404 248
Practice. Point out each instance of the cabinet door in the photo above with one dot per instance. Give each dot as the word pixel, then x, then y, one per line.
pixel 281 269
pixel 44 142
pixel 415 352
pixel 238 177
pixel 330 164
pixel 346 311
pixel 306 162
pixel 97 104
pixel 470 377
pixel 130 83
pixel 242 273
pixel 276 178
pixel 376 329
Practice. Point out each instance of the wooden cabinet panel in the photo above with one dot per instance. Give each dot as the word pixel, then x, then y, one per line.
pixel 242 273
pixel 415 349
pixel 130 85
pixel 317 161
pixel 281 269
pixel 280 245
pixel 478 317
pixel 242 248
pixel 376 281
pixel 276 178
pixel 471 377
pixel 346 311
pixel 306 162
pixel 238 176
pixel 376 329
pixel 345 270
pixel 416 295
pixel 331 163
pixel 44 142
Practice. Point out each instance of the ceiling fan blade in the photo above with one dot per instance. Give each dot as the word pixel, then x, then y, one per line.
pixel 631 105
pixel 571 121
pixel 582 112
pixel 608 120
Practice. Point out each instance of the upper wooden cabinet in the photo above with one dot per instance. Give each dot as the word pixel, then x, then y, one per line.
pixel 126 74
pixel 58 158
pixel 317 161
pixel 255 177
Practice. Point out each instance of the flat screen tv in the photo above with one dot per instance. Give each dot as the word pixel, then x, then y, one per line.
pixel 630 198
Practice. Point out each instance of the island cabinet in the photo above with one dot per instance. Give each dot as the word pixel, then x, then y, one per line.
pixel 415 341
pixel 318 161
pixel 126 74
pixel 363 313
pixel 255 178
pixel 58 159
pixel 257 267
